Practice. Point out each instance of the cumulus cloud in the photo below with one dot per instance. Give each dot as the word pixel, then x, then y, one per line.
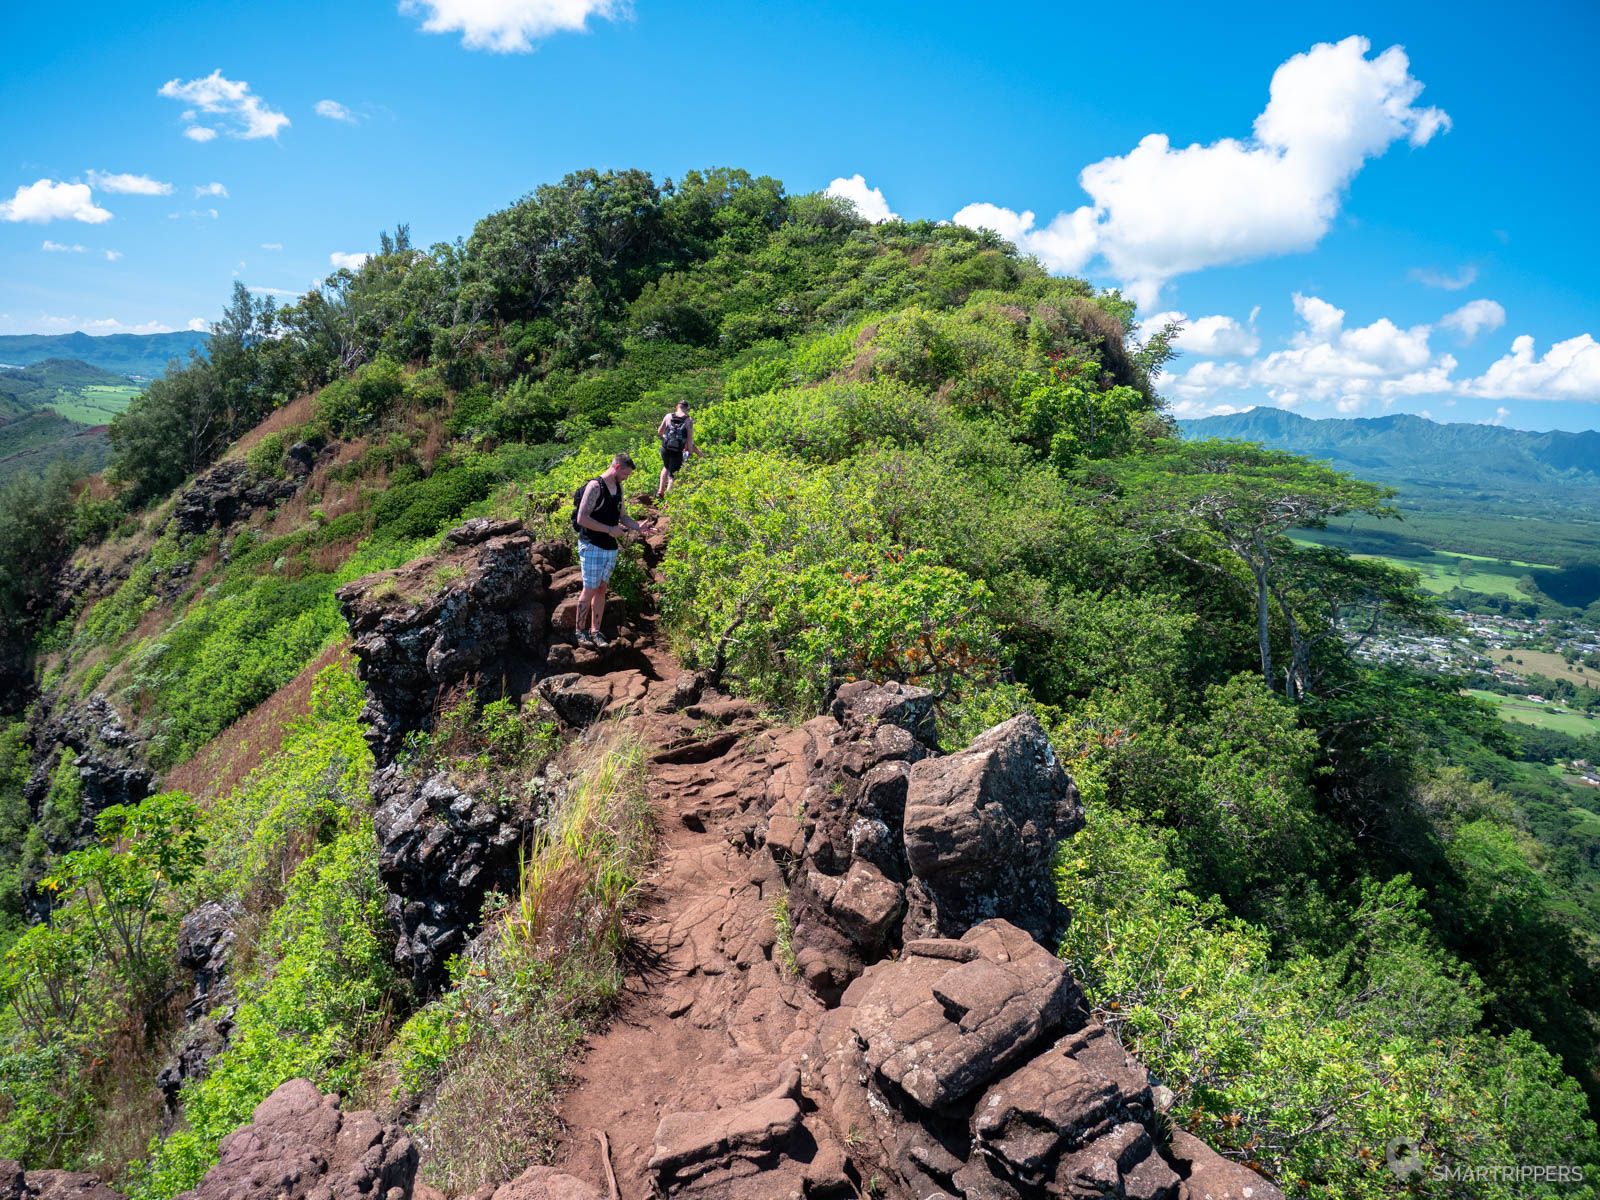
pixel 1325 361
pixel 1064 245
pixel 238 111
pixel 869 201
pixel 113 255
pixel 1569 370
pixel 1428 277
pixel 349 262
pixel 334 111
pixel 49 200
pixel 129 185
pixel 48 323
pixel 60 248
pixel 1158 211
pixel 1214 336
pixel 510 26
pixel 198 325
pixel 211 189
pixel 1473 318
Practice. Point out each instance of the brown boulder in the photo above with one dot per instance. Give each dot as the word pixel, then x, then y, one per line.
pixel 300 1146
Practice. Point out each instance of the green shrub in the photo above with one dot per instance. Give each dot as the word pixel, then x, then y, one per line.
pixel 266 456
pixel 350 405
pixel 320 999
pixel 1308 1068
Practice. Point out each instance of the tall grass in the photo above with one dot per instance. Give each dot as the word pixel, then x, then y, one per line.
pixel 504 1038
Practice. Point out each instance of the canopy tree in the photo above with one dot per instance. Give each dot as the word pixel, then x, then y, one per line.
pixel 1246 498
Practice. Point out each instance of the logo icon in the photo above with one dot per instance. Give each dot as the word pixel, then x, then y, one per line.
pixel 1404 1159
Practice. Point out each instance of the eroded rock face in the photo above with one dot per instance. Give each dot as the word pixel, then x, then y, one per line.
pixel 440 851
pixel 300 1146
pixel 981 827
pixel 205 944
pixel 972 1068
pixel 107 764
pixel 476 613
pixel 226 493
pixel 890 840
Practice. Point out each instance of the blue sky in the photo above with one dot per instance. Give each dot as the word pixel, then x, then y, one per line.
pixel 1412 229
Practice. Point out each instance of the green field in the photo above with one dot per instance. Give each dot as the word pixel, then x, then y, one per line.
pixel 1544 716
pixel 1443 571
pixel 94 403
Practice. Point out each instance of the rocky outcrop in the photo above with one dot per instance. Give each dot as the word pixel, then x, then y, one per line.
pixel 476 615
pixel 17 1184
pixel 105 763
pixel 972 1068
pixel 228 492
pixel 440 851
pixel 890 840
pixel 300 1146
pixel 479 612
pixel 205 944
pixel 981 828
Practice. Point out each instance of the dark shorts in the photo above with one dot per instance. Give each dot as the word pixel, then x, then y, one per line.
pixel 672 460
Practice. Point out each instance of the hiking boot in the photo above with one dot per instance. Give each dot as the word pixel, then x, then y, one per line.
pixel 597 641
pixel 585 638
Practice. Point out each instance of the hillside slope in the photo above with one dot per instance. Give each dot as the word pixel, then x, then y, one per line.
pixel 968 641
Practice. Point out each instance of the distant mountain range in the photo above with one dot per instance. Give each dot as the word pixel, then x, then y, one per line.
pixel 1423 457
pixel 141 355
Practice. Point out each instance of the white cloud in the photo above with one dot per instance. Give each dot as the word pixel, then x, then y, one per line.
pixel 46 323
pixel 59 248
pixel 113 255
pixel 244 114
pixel 1569 370
pixel 1500 415
pixel 129 185
pixel 49 200
pixel 1215 336
pixel 1474 317
pixel 334 111
pixel 1428 277
pixel 272 291
pixel 510 26
pixel 198 325
pixel 350 262
pixel 195 214
pixel 1160 212
pixel 272 245
pixel 869 201
pixel 211 189
pixel 1066 244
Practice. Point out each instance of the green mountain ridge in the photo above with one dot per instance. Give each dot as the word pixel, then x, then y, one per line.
pixel 145 355
pixel 1406 450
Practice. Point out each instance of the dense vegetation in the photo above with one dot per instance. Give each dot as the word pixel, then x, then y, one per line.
pixel 1302 895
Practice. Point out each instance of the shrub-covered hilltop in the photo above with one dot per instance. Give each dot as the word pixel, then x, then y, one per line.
pixel 1297 897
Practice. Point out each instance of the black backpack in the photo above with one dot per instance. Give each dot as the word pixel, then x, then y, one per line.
pixel 677 435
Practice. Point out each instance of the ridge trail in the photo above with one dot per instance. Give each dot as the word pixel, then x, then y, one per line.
pixel 708 1019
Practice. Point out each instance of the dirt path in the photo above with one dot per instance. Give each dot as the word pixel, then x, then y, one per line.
pixel 709 1019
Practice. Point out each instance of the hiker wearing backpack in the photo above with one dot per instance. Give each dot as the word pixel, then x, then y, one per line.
pixel 598 517
pixel 676 432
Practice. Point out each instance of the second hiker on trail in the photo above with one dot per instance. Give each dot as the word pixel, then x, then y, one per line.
pixel 676 432
pixel 599 517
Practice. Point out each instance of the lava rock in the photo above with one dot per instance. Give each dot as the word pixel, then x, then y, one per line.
pixel 981 829
pixel 440 852
pixel 300 1146
pixel 228 492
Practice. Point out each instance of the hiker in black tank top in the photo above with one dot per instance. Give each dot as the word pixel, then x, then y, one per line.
pixel 600 516
pixel 676 432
